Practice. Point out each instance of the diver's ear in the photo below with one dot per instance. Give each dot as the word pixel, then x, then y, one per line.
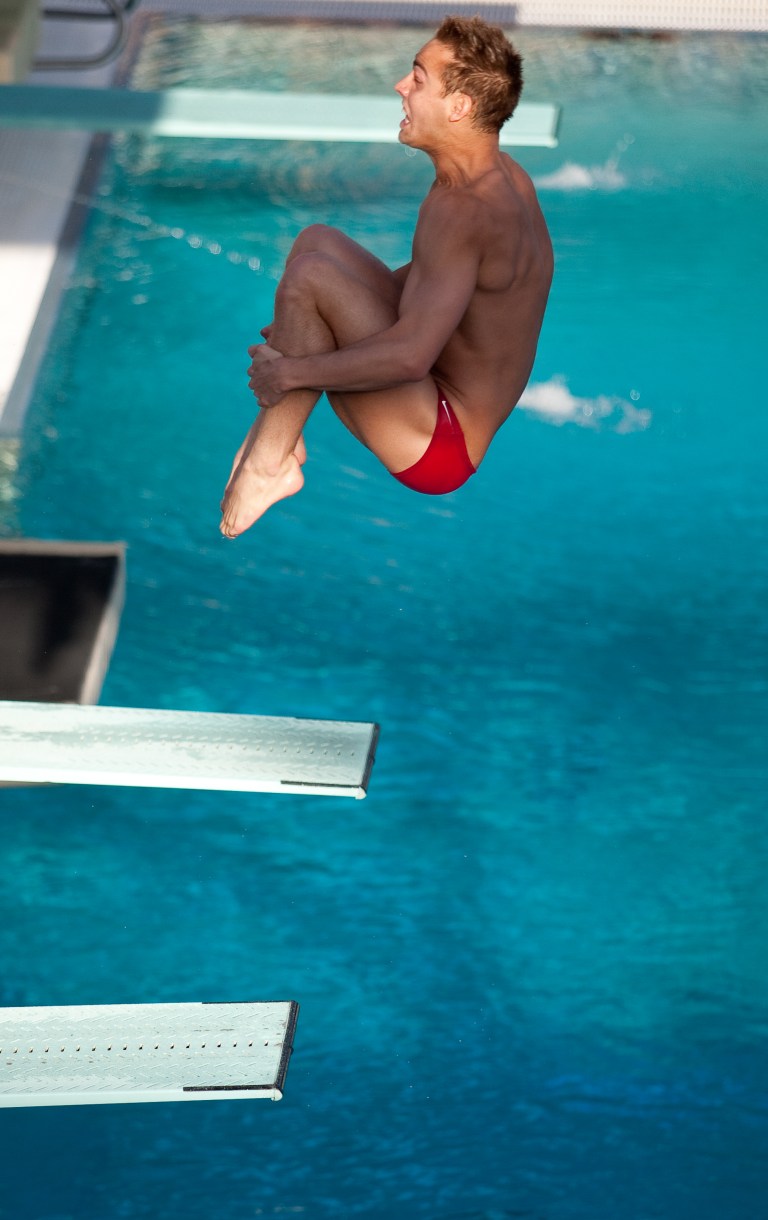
pixel 461 107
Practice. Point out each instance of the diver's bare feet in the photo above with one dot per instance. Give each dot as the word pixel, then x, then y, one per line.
pixel 250 493
pixel 300 453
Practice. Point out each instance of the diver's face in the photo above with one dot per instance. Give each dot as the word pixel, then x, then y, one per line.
pixel 424 106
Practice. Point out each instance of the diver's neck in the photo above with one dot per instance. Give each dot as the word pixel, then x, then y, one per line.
pixel 461 165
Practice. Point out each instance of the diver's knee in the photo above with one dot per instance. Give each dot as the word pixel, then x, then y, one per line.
pixel 315 238
pixel 305 272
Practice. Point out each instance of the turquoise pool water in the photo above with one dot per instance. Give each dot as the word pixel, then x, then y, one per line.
pixel 531 966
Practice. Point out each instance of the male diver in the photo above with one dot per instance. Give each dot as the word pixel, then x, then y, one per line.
pixel 422 364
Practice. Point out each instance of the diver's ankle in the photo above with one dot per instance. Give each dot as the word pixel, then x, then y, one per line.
pixel 260 467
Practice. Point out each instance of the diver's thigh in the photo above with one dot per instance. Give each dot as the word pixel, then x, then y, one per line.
pixel 350 307
pixel 396 424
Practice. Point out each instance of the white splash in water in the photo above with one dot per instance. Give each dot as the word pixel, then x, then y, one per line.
pixel 575 177
pixel 553 401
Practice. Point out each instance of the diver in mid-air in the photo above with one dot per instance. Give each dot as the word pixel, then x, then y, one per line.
pixel 422 364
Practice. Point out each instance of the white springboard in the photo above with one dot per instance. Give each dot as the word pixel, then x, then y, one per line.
pixel 241 114
pixel 57 743
pixel 67 1055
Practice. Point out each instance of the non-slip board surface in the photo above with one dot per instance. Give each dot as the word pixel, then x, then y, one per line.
pixel 89 1054
pixel 150 748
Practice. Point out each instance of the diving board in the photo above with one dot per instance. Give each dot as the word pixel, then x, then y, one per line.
pixel 239 114
pixel 74 1055
pixel 60 743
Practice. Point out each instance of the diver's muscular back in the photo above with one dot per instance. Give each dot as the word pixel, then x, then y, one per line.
pixel 485 365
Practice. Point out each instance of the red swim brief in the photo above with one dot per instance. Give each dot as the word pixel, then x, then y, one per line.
pixel 445 465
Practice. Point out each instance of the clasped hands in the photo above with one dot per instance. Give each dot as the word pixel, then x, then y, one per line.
pixel 267 375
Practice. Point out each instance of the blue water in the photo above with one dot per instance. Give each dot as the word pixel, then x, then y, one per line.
pixel 531 965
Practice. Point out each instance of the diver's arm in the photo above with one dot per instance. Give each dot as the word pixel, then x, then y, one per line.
pixel 439 285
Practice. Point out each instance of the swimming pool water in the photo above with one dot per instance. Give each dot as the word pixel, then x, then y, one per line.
pixel 531 966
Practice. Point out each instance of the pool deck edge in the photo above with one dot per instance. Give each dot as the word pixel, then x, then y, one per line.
pixel 43 175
